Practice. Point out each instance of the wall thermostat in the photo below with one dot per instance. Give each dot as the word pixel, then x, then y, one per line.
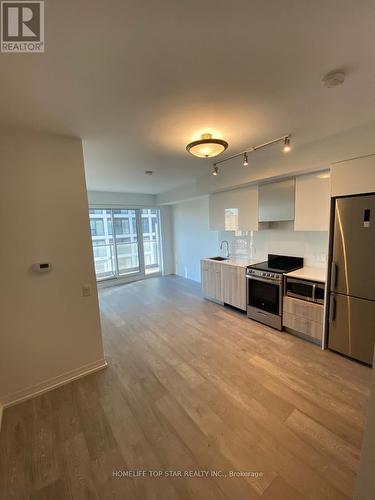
pixel 42 267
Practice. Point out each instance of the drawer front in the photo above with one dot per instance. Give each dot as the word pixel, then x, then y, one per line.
pixel 302 325
pixel 303 309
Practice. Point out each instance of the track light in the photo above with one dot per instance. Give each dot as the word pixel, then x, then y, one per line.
pixel 287 147
pixel 245 160
pixel 285 139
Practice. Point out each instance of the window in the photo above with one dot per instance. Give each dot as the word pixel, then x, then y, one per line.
pixel 97 227
pixel 122 226
pixel 145 225
pixel 120 253
pixel 100 251
pixel 98 242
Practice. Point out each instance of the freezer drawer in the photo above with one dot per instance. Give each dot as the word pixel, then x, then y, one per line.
pixel 352 327
pixel 353 272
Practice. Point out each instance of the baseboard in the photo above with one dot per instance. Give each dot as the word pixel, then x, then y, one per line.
pixel 52 383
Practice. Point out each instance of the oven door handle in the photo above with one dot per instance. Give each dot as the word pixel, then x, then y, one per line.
pixel 264 280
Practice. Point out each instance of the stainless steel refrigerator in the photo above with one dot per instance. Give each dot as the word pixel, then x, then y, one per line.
pixel 352 288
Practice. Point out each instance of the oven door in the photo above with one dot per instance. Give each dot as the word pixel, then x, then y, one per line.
pixel 264 295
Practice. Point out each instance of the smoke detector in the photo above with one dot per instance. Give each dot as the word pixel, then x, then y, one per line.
pixel 333 79
pixel 149 172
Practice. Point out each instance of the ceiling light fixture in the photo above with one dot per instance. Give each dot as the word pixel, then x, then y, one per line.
pixel 245 160
pixel 287 146
pixel 215 170
pixel 207 146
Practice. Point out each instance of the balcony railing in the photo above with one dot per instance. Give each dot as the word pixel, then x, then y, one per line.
pixel 127 259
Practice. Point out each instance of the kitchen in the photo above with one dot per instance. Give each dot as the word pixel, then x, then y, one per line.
pixel 289 292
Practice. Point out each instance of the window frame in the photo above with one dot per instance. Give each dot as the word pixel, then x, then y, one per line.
pixel 133 275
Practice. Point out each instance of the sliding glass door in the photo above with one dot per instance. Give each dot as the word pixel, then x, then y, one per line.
pixel 150 240
pixel 126 242
pixel 102 242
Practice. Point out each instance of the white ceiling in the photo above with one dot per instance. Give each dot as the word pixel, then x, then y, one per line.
pixel 137 80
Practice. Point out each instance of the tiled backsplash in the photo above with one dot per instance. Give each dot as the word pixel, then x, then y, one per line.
pixel 279 239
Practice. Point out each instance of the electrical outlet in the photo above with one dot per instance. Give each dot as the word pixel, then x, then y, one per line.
pixel 86 290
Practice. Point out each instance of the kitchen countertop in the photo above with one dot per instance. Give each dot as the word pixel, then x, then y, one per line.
pixel 234 261
pixel 310 273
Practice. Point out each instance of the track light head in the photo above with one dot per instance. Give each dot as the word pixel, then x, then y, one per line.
pixel 215 170
pixel 245 160
pixel 287 146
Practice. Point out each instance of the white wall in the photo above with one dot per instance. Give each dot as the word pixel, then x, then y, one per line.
pixel 280 238
pixel 49 331
pixel 107 199
pixel 192 238
pixel 167 243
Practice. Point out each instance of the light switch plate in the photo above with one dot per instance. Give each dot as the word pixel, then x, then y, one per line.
pixel 86 290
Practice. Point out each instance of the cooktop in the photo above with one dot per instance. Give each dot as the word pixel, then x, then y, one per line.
pixel 279 264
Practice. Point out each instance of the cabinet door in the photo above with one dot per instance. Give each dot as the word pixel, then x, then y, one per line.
pixel 215 276
pixel 312 202
pixel 211 280
pixel 234 286
pixel 234 210
pixel 205 282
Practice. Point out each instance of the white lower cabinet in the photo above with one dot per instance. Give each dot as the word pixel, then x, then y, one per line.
pixel 303 317
pixel 211 280
pixel 234 286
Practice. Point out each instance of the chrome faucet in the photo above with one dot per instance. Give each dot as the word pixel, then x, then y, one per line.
pixel 221 247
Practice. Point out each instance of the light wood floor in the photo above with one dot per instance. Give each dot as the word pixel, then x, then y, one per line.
pixel 190 386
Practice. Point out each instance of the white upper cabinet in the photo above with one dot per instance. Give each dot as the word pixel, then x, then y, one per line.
pixel 235 210
pixel 355 176
pixel 276 201
pixel 312 202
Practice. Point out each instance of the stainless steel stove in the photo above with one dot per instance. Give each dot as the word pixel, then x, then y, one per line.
pixel 265 288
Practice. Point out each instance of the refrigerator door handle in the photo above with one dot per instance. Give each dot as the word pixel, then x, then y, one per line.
pixel 333 275
pixel 332 310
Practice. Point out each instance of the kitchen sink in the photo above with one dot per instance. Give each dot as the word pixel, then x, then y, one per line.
pixel 218 258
